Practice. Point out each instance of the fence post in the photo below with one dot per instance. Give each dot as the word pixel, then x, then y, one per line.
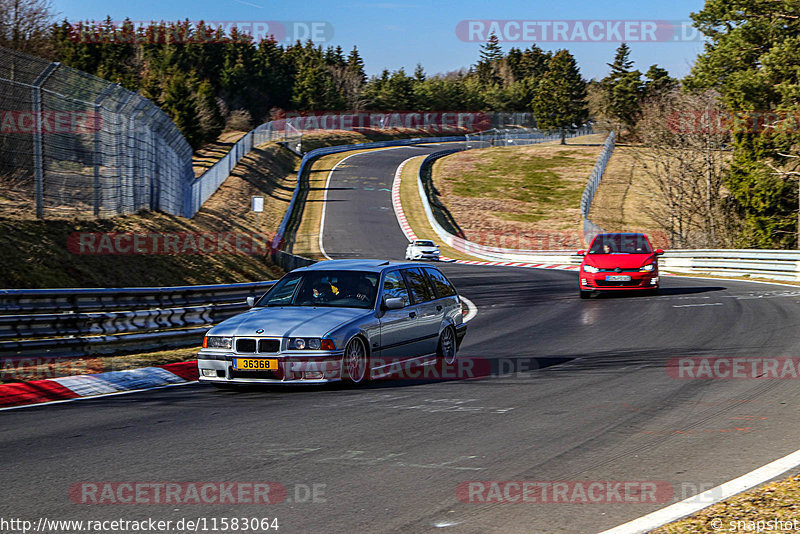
pixel 97 148
pixel 38 156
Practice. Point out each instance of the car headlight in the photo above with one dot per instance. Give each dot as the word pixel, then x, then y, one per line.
pixel 590 269
pixel 647 268
pixel 311 343
pixel 217 342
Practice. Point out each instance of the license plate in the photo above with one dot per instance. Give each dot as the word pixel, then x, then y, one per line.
pixel 255 364
pixel 618 278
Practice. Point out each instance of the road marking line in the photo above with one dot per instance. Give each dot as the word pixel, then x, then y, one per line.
pixel 325 203
pixel 696 503
pixel 473 310
pixel 696 305
pixel 325 194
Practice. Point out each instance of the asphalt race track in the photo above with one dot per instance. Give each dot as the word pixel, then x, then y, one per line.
pixel 599 405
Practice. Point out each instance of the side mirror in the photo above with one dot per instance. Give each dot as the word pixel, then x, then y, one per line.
pixel 393 303
pixel 659 252
pixel 581 253
pixel 251 301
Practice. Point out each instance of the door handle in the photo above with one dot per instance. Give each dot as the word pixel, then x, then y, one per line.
pixel 412 314
pixel 438 308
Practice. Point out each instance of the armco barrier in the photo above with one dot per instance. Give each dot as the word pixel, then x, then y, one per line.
pixel 772 264
pixel 79 322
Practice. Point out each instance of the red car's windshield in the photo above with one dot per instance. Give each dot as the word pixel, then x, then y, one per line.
pixel 620 244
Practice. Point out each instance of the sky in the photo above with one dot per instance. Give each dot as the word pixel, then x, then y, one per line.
pixel 442 35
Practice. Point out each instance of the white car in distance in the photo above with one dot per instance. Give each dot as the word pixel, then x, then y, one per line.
pixel 422 249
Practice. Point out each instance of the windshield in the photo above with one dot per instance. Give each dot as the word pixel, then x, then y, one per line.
pixel 333 289
pixel 424 243
pixel 620 244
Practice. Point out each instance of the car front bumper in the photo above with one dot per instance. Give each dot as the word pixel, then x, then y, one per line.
pixel 425 256
pixel 297 367
pixel 638 281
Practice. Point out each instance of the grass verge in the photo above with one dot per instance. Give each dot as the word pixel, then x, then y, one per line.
pixel 528 197
pixel 625 198
pixel 415 211
pixel 774 501
pixel 303 232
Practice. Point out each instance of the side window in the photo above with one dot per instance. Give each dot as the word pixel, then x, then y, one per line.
pixel 418 285
pixel 395 287
pixel 281 293
pixel 440 282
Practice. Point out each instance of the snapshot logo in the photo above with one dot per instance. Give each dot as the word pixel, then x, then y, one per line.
pixel 720 368
pixel 577 31
pixel 149 32
pixel 564 492
pixel 431 121
pixel 49 122
pixel 188 243
pixel 720 122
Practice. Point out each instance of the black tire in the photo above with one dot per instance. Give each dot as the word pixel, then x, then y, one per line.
pixel 355 362
pixel 447 349
pixel 585 294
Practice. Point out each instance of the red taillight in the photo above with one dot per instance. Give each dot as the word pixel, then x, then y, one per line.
pixel 205 342
pixel 327 344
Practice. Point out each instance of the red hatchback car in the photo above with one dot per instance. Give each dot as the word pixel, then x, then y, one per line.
pixel 619 262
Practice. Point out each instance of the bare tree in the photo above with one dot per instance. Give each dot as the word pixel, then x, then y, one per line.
pixel 351 86
pixel 25 25
pixel 685 153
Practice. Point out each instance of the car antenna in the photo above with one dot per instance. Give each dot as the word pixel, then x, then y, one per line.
pixel 384 263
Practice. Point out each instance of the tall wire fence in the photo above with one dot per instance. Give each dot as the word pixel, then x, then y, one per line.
pixel 74 145
pixel 590 229
pixel 201 189
pixel 520 136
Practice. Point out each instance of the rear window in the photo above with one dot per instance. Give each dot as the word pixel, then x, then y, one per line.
pixel 620 244
pixel 418 284
pixel 440 283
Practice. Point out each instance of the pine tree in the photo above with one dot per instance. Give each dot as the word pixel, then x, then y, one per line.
pixel 560 96
pixel 179 103
pixel 356 65
pixel 623 90
pixel 488 68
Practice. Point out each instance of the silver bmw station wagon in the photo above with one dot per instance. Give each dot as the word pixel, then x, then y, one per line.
pixel 350 320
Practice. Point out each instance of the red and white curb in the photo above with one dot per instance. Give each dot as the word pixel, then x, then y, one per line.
pixel 410 235
pixel 69 388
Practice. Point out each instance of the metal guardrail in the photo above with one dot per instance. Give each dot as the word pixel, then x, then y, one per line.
pixel 475 249
pixel 773 264
pixel 79 322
